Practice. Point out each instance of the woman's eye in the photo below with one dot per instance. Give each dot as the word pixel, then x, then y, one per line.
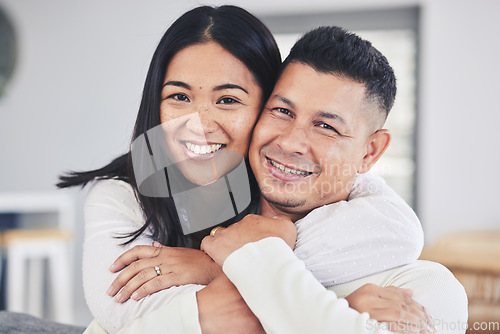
pixel 227 100
pixel 179 97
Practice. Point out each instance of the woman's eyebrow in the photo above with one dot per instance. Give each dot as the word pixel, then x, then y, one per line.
pixel 177 84
pixel 229 86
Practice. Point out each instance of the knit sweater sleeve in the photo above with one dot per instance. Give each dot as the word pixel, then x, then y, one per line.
pixel 285 296
pixel 373 231
pixel 433 286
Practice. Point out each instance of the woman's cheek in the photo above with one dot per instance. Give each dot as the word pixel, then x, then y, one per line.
pixel 242 131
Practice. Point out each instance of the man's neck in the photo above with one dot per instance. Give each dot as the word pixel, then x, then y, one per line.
pixel 270 210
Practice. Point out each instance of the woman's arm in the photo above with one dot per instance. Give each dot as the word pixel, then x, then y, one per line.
pixel 373 231
pixel 144 270
pixel 111 210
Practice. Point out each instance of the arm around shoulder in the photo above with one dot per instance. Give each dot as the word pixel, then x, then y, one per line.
pixel 287 298
pixel 435 287
pixel 373 231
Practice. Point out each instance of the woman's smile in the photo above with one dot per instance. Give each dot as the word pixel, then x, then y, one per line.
pixel 198 151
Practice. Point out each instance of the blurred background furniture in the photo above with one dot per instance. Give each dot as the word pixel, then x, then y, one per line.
pixel 39 272
pixel 474 259
pixel 36 249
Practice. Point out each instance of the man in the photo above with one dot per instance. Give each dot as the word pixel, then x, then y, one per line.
pixel 323 121
pixel 319 130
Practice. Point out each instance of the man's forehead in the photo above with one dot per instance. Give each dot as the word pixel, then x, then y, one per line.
pixel 300 74
pixel 300 84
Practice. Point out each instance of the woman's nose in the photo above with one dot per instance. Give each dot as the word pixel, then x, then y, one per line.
pixel 202 121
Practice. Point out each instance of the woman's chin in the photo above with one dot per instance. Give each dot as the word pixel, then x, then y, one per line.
pixel 201 173
pixel 204 172
pixel 203 179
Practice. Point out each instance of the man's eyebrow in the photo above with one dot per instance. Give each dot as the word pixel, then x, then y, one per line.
pixel 177 84
pixel 322 114
pixel 284 100
pixel 230 86
pixel 330 115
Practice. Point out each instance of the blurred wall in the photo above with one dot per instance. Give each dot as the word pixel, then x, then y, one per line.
pixel 72 101
pixel 459 117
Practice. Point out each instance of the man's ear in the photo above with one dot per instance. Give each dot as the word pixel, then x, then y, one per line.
pixel 376 145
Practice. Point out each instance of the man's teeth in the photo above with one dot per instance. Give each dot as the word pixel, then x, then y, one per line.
pixel 203 149
pixel 288 170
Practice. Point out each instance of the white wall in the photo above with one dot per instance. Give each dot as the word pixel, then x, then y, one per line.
pixel 73 98
pixel 459 118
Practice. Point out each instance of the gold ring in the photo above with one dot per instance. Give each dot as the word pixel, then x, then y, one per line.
pixel 212 233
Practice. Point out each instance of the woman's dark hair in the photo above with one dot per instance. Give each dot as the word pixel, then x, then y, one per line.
pixel 241 34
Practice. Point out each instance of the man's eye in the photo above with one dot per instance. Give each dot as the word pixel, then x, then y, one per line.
pixel 179 97
pixel 283 111
pixel 227 100
pixel 327 127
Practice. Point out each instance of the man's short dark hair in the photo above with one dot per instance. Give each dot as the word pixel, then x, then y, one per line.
pixel 336 51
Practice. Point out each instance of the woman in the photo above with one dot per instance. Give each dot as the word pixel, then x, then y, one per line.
pixel 259 53
pixel 209 77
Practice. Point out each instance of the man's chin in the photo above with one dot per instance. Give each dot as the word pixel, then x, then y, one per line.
pixel 281 202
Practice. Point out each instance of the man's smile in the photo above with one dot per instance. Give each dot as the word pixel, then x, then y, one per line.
pixel 286 172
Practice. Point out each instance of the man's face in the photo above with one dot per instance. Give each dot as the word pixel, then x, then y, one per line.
pixel 311 140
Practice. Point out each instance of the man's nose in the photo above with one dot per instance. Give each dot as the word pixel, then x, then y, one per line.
pixel 294 139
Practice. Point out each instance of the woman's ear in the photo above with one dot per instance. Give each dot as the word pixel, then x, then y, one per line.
pixel 376 145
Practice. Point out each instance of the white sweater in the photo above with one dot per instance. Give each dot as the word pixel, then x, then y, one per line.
pixel 373 231
pixel 287 298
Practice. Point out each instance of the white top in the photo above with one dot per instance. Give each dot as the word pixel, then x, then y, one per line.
pixel 373 231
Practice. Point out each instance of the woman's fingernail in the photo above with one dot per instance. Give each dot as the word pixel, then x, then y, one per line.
pixel 119 297
pixel 112 267
pixel 110 290
pixel 135 295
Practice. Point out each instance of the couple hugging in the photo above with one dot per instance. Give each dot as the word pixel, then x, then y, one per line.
pixel 245 204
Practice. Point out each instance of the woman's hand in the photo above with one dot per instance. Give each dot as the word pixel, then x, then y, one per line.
pixel 176 266
pixel 222 310
pixel 251 228
pixel 393 306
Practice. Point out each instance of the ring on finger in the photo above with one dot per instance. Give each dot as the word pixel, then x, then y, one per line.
pixel 158 272
pixel 212 233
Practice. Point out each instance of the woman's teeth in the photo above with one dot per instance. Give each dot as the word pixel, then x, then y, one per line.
pixel 288 170
pixel 203 149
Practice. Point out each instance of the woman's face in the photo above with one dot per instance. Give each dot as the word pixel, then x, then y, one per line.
pixel 210 103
